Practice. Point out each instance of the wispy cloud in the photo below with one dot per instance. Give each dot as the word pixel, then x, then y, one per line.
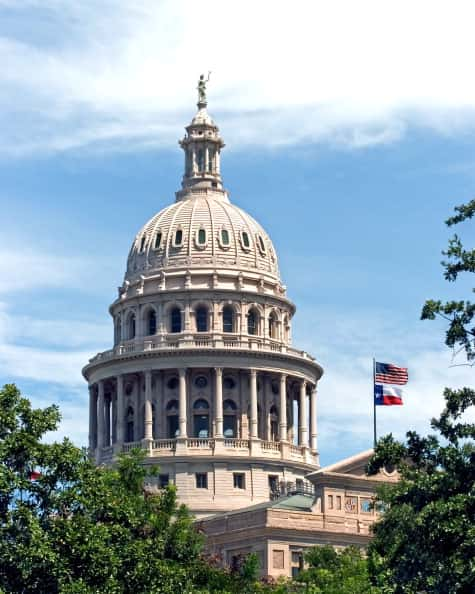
pixel 353 74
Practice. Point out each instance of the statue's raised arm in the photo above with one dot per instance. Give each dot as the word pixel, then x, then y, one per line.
pixel 202 88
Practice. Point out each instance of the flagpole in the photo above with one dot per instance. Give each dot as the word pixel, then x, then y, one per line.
pixel 374 403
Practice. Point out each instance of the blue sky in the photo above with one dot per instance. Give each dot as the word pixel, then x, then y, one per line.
pixel 350 157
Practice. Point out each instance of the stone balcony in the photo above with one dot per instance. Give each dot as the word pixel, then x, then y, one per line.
pixel 194 446
pixel 184 341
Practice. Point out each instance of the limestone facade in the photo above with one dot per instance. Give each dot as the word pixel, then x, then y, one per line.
pixel 202 372
pixel 338 512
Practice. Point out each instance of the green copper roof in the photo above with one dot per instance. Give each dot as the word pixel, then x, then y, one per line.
pixel 296 502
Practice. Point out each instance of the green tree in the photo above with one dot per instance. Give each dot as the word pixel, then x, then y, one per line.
pixel 459 314
pixel 425 541
pixel 81 529
pixel 336 572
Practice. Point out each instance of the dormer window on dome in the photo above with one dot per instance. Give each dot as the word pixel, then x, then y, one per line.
pixel 178 238
pixel 158 240
pixel 142 243
pixel 201 238
pixel 245 240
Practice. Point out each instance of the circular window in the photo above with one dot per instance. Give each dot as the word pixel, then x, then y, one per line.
pixel 172 383
pixel 201 382
pixel 229 383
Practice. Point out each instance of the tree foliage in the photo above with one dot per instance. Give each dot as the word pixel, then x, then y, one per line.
pixel 82 529
pixel 425 541
pixel 459 314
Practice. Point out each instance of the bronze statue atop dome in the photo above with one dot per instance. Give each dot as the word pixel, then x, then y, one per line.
pixel 202 89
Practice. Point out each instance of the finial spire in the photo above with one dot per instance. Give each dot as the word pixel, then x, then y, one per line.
pixel 202 100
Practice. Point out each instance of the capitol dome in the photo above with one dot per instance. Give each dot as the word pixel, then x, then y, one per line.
pixel 202 231
pixel 202 373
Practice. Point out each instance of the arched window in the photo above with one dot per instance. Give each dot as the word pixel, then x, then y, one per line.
pixel 286 329
pixel 201 319
pixel 158 240
pixel 210 159
pixel 274 423
pixel 151 322
pixel 201 160
pixel 118 330
pixel 272 325
pixel 228 319
pixel 131 327
pixel 201 418
pixel 172 419
pixel 252 322
pixel 175 320
pixel 229 419
pixel 245 240
pixel 129 425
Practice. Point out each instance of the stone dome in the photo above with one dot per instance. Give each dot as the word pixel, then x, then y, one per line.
pixel 203 231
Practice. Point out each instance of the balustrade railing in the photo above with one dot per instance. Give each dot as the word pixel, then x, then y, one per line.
pixel 163 444
pixel 236 444
pixel 127 447
pixel 192 341
pixel 200 443
pixel 272 446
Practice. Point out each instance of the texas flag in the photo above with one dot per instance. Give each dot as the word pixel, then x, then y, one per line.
pixel 385 395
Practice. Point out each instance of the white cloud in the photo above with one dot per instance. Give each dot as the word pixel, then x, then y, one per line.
pixel 350 73
pixel 345 344
pixel 21 269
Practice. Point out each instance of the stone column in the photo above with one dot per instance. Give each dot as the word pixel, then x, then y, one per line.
pixel 100 417
pixel 148 429
pixel 313 419
pixel 108 407
pixel 283 407
pixel 253 393
pixel 218 403
pixel 182 415
pixel 92 418
pixel 120 409
pixel 303 435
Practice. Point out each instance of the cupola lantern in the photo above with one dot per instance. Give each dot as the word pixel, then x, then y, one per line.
pixel 202 145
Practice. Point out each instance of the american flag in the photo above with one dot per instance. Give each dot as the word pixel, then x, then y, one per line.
pixel 386 373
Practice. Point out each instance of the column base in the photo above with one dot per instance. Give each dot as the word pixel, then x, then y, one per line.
pixel 218 445
pixel 180 445
pixel 255 446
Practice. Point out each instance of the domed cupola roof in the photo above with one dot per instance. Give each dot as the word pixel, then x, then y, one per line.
pixel 202 232
pixel 202 229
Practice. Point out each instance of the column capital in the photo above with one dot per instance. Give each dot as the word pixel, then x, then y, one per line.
pixel 252 372
pixel 283 377
pixel 218 370
pixel 182 371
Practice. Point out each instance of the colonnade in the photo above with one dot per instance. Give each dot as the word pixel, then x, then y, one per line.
pixel 111 427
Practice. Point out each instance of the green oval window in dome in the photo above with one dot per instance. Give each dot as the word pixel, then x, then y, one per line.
pixel 224 236
pixel 245 239
pixel 202 236
pixel 178 237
